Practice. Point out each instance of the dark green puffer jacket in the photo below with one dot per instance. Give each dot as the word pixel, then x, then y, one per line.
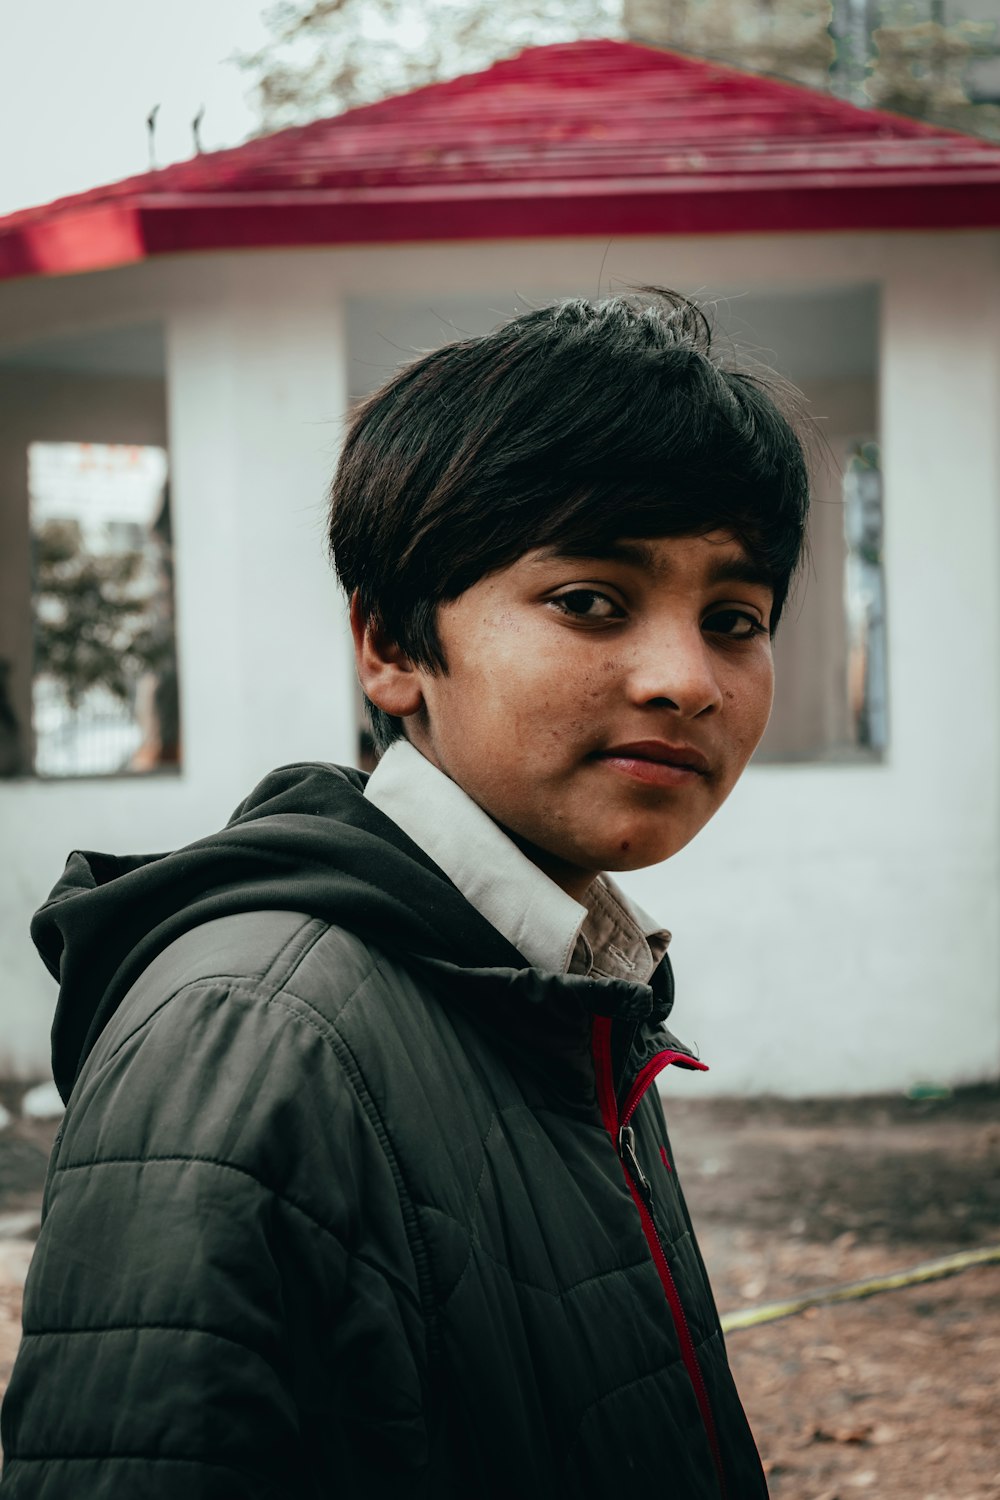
pixel 348 1202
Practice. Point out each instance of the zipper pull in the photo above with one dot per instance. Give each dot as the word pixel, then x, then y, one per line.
pixel 626 1150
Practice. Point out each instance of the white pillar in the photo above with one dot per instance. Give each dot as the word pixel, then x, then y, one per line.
pixel 941 458
pixel 257 396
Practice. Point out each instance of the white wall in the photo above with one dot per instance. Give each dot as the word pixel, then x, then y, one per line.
pixel 256 390
pixel 836 926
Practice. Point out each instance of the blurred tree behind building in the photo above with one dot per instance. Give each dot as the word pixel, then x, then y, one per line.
pixel 329 55
pixel 94 626
pixel 938 66
pixel 784 38
pixel 936 60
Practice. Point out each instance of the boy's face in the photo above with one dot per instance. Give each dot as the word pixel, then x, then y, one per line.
pixel 599 709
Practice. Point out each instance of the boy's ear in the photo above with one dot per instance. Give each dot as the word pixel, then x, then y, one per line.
pixel 387 675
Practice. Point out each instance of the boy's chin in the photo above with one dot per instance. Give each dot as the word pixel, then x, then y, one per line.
pixel 620 855
pixel 638 855
pixel 574 864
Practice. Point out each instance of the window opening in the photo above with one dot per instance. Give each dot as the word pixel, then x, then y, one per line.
pixel 864 597
pixel 104 681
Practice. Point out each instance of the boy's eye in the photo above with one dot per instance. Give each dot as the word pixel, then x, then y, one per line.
pixel 587 604
pixel 737 624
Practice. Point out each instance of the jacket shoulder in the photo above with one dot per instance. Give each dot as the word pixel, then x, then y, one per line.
pixel 302 962
pixel 261 949
pixel 201 1231
pixel 214 1029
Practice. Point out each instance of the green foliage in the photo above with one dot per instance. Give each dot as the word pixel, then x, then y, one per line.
pixel 93 618
pixel 329 55
pixel 918 69
pixel 787 39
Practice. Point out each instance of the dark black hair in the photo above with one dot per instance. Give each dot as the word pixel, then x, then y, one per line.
pixel 579 424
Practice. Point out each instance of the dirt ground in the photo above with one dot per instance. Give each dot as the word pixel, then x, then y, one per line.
pixel 897 1395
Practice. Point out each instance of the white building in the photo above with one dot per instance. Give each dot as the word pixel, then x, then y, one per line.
pixel 836 926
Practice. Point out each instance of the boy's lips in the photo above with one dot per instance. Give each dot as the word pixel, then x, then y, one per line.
pixel 657 761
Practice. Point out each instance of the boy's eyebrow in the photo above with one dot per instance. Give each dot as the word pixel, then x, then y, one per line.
pixel 740 568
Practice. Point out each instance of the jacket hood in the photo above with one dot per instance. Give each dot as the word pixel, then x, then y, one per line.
pixel 304 840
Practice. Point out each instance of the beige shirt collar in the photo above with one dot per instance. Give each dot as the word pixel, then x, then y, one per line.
pixel 609 936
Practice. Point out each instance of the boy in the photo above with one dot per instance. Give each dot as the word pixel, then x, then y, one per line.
pixel 364 1188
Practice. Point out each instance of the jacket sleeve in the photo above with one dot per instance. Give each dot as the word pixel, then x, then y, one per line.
pixel 192 1257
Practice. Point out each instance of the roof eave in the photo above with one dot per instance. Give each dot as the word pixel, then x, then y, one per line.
pixel 111 234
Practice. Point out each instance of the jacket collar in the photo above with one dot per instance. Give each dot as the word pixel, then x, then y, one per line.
pixel 545 924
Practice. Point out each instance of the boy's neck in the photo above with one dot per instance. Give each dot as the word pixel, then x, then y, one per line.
pixel 570 878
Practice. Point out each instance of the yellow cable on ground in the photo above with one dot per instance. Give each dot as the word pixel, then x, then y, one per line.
pixel 930 1270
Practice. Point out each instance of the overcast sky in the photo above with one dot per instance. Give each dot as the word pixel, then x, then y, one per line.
pixel 79 77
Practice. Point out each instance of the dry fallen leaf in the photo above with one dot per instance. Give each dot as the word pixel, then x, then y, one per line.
pixel 751 1290
pixel 882 1432
pixel 859 1433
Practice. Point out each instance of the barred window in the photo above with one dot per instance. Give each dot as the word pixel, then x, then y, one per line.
pixel 104 679
pixel 88 679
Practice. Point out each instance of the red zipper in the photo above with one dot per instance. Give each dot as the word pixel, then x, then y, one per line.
pixel 646 1075
pixel 625 1148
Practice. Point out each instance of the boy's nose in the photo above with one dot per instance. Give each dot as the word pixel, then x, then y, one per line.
pixel 676 671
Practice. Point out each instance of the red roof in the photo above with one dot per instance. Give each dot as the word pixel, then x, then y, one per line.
pixel 587 138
